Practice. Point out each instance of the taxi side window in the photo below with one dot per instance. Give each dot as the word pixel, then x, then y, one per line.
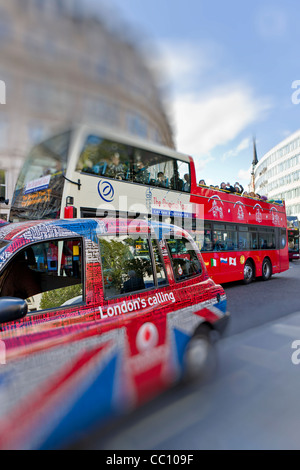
pixel 126 264
pixel 47 275
pixel 184 259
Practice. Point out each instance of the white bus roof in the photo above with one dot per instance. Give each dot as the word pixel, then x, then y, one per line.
pixel 85 130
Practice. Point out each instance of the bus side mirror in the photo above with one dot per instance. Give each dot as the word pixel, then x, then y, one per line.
pixel 12 309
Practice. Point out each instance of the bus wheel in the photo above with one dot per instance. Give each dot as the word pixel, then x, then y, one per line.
pixel 266 269
pixel 248 272
pixel 200 360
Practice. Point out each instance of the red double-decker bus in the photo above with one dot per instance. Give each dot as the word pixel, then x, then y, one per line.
pixel 95 172
pixel 243 237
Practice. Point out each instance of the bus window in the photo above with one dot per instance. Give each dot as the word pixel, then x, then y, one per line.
pixel 109 159
pixel 245 241
pixel 153 169
pixel 207 242
pixel 103 157
pixel 184 175
pixel 253 240
pixel 225 239
pixel 39 188
pixel 267 240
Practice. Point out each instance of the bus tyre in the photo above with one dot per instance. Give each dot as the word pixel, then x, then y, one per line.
pixel 200 359
pixel 266 269
pixel 248 272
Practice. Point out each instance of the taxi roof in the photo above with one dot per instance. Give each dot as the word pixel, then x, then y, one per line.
pixel 43 230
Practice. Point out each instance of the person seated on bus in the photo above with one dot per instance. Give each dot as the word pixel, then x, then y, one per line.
pixel 187 183
pixel 219 246
pixel 161 180
pixel 141 173
pixel 207 244
pixel 229 245
pixel 238 188
pixel 116 169
pixel 263 244
pixel 133 284
pixel 176 182
pixel 202 183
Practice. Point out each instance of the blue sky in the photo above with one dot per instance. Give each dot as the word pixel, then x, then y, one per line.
pixel 228 67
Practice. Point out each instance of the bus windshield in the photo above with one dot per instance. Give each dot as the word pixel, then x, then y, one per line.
pixel 39 188
pixel 293 237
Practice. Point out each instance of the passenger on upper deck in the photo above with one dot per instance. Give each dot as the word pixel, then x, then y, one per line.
pixel 116 169
pixel 238 188
pixel 202 183
pixel 141 173
pixel 161 180
pixel 176 182
pixel 227 187
pixel 187 183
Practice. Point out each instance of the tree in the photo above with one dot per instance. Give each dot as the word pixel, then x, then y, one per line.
pixel 56 298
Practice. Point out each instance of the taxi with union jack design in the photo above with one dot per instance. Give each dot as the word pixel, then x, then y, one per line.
pixel 96 317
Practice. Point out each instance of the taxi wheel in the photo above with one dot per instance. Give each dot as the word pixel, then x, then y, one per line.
pixel 248 272
pixel 266 269
pixel 200 360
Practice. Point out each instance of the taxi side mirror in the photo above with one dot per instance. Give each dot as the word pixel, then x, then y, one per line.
pixel 12 309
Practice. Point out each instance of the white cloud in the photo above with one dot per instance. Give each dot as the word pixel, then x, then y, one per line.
pixel 205 121
pixel 200 164
pixel 206 115
pixel 243 145
pixel 244 177
pixel 176 65
pixel 181 65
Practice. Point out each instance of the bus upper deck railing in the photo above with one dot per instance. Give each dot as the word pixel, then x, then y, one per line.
pixel 270 201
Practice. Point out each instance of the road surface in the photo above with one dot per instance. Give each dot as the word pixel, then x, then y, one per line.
pixel 253 402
